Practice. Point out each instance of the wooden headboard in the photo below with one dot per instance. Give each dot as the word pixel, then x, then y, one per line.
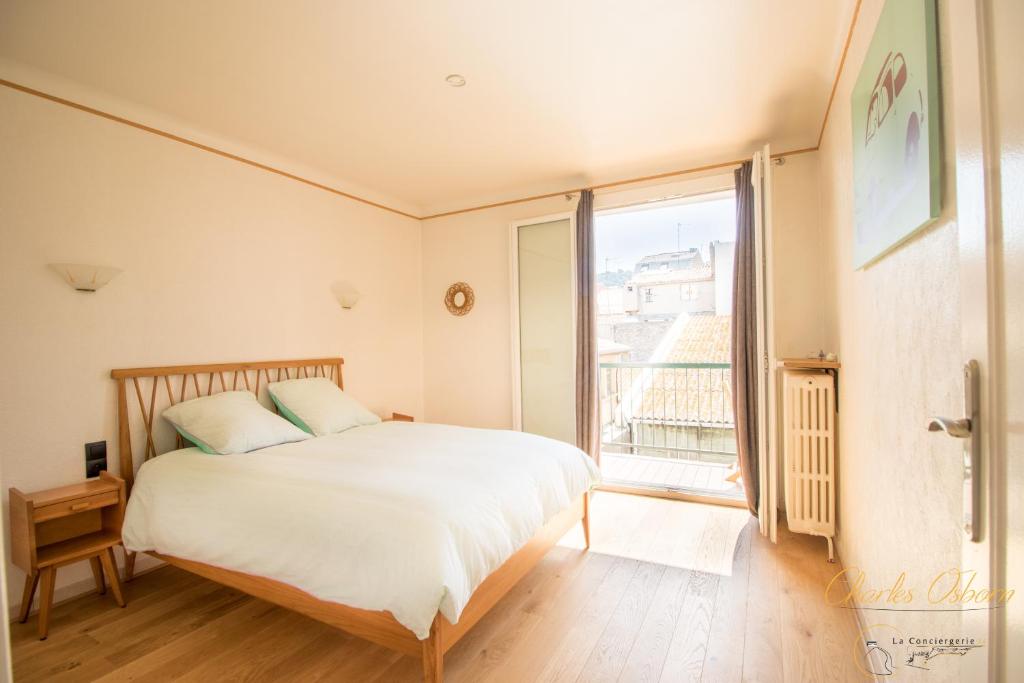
pixel 183 382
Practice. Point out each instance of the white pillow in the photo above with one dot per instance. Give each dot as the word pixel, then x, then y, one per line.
pixel 318 406
pixel 231 422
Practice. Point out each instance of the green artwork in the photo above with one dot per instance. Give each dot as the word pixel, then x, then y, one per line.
pixel 896 131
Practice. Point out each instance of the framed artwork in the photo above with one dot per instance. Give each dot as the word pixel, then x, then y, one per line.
pixel 896 131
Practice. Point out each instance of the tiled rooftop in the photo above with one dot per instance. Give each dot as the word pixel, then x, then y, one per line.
pixel 690 394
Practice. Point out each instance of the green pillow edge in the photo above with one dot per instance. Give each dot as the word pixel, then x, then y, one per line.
pixel 290 416
pixel 205 448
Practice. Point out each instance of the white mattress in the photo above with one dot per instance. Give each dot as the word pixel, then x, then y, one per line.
pixel 403 517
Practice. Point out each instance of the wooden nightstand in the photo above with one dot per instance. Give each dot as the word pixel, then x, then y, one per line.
pixel 398 417
pixel 52 528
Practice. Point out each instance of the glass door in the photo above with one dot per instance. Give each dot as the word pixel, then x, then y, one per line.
pixel 544 328
pixel 664 292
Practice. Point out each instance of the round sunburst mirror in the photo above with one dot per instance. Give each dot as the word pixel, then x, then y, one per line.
pixel 459 299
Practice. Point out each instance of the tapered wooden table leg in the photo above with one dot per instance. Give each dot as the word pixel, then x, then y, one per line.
pixel 97 574
pixel 31 581
pixel 110 568
pixel 47 577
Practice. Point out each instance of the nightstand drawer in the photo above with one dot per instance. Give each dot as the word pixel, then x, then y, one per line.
pixel 74 506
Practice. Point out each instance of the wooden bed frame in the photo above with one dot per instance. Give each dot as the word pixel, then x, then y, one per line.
pixel 182 382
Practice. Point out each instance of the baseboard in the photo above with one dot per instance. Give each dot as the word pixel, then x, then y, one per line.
pixel 858 617
pixel 143 563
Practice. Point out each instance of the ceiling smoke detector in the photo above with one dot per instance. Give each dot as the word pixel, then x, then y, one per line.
pixel 455 80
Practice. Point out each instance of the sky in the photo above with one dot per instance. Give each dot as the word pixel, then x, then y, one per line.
pixel 624 238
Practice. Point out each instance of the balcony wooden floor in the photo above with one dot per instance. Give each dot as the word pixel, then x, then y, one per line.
pixel 639 470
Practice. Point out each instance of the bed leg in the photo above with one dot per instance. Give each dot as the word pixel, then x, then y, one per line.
pixel 586 520
pixel 129 565
pixel 433 655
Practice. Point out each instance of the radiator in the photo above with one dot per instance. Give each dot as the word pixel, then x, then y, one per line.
pixel 809 453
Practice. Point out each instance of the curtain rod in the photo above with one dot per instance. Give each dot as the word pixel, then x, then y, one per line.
pixel 777 158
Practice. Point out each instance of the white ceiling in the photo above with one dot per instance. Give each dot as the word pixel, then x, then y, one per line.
pixel 559 93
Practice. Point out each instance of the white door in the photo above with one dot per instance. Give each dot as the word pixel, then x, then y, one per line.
pixel 988 99
pixel 767 456
pixel 544 327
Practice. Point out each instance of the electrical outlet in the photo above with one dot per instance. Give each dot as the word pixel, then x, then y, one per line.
pixel 95 458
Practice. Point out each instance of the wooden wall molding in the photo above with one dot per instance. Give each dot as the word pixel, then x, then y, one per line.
pixel 198 145
pixel 615 183
pixel 839 72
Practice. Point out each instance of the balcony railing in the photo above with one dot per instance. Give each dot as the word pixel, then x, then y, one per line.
pixel 669 410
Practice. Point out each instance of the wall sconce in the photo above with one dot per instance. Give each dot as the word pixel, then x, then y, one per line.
pixel 85 278
pixel 346 294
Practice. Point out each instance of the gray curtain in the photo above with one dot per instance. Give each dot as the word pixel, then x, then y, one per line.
pixel 588 428
pixel 744 337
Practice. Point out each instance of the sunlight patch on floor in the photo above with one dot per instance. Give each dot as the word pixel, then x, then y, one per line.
pixel 674 533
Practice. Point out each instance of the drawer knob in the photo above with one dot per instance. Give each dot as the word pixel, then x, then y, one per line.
pixel 80 506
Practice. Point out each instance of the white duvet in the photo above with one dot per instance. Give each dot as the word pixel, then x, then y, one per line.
pixel 398 516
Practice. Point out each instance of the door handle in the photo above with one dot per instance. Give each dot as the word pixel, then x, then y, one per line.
pixel 969 429
pixel 958 429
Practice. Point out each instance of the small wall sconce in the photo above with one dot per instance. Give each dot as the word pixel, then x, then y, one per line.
pixel 83 277
pixel 346 294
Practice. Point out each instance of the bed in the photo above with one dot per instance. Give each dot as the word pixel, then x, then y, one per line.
pixel 401 533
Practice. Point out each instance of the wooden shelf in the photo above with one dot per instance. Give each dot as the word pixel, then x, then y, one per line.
pixel 829 366
pixel 76 548
pixel 808 364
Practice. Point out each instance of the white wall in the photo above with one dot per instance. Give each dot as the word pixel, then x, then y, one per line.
pixel 1007 54
pixel 467 379
pixel 672 298
pixel 896 326
pixel 221 262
